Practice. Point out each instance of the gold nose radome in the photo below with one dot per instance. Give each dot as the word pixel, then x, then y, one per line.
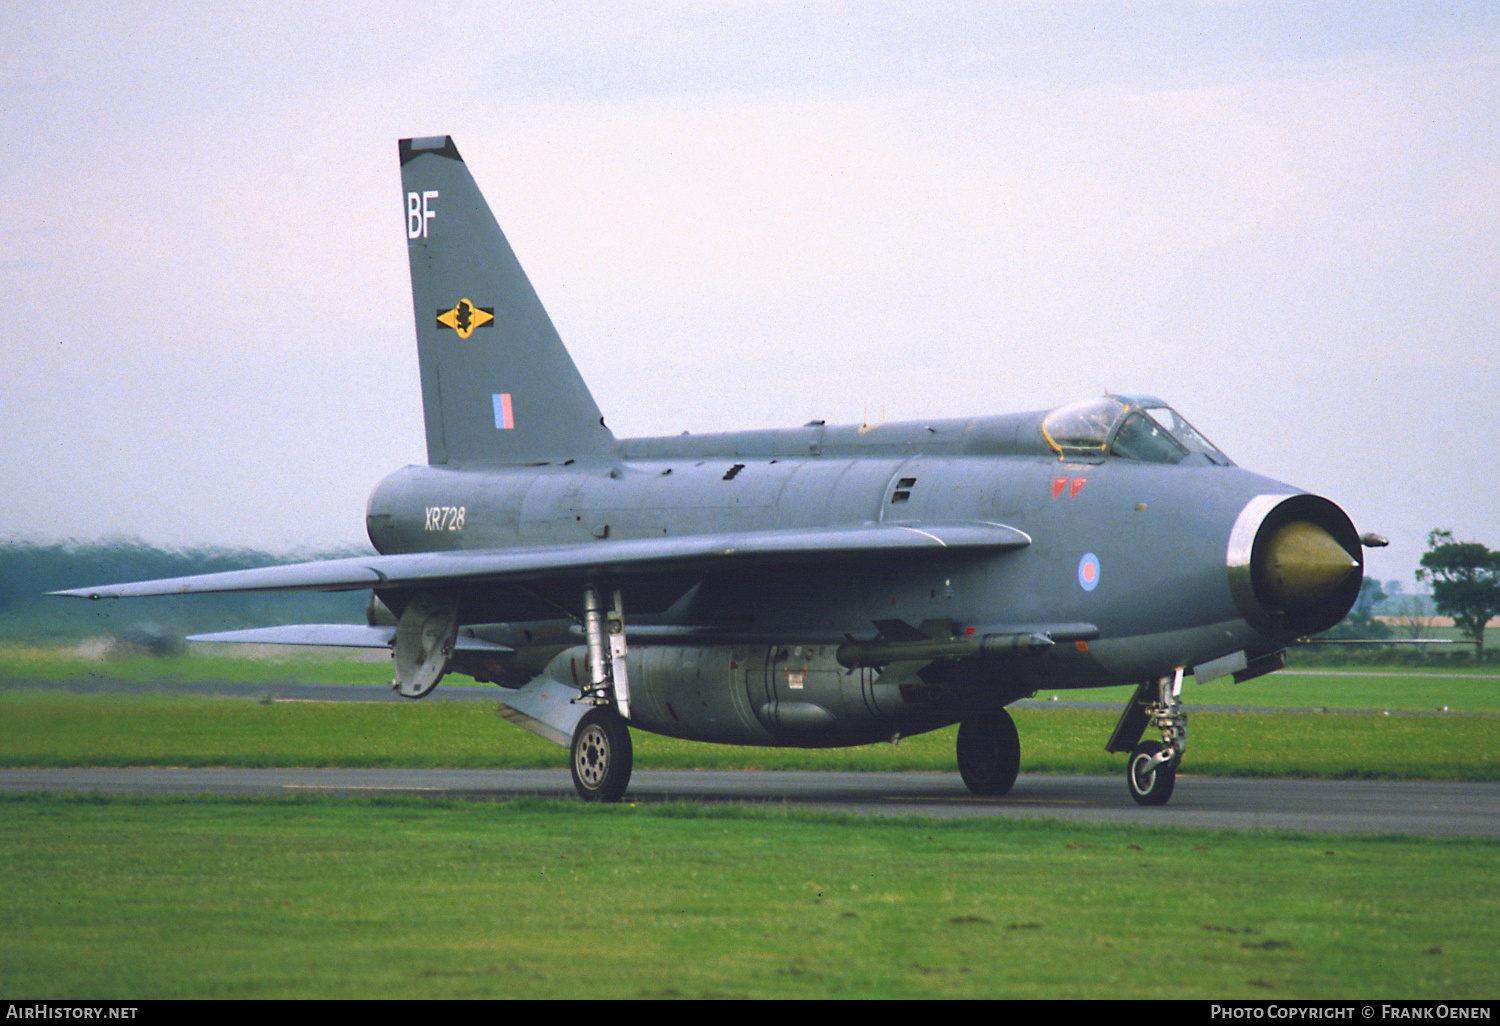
pixel 1304 563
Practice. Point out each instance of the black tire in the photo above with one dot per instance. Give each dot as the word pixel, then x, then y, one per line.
pixel 602 756
pixel 989 753
pixel 1150 787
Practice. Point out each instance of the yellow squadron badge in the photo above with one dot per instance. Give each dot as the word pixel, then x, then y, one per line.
pixel 465 317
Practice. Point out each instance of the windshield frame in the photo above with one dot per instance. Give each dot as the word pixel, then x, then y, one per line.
pixel 1091 429
pixel 1184 433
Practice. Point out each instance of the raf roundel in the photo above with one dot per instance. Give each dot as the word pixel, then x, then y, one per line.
pixel 1088 572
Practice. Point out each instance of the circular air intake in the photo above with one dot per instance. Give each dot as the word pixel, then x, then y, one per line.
pixel 1295 563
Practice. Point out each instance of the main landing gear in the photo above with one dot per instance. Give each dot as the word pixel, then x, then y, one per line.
pixel 602 755
pixel 989 752
pixel 1151 772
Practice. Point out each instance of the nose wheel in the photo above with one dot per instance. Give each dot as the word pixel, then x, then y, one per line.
pixel 1151 774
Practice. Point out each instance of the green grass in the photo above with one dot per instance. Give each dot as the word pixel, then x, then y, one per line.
pixel 278 898
pixel 53 728
pixel 1461 689
pixel 398 897
pixel 43 663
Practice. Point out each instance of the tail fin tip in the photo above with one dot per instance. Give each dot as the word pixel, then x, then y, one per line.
pixel 441 145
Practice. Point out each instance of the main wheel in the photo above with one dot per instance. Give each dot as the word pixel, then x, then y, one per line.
pixel 602 756
pixel 989 752
pixel 1150 785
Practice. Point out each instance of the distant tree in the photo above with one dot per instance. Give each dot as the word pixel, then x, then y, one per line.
pixel 1361 621
pixel 1413 617
pixel 1465 579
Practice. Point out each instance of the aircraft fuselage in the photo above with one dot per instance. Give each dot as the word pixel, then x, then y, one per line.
pixel 1140 552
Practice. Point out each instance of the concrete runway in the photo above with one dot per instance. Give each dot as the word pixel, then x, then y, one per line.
pixel 1426 808
pixel 1429 808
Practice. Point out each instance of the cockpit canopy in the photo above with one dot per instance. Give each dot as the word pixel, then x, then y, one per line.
pixel 1129 427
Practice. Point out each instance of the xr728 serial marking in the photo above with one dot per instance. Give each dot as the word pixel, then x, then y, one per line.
pixel 445 518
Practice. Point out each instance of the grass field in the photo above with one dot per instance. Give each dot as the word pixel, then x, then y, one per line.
pixel 1466 689
pixel 214 662
pixel 1462 687
pixel 52 728
pixel 404 897
pixel 414 899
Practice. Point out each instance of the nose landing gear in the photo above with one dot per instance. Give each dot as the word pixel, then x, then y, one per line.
pixel 1151 772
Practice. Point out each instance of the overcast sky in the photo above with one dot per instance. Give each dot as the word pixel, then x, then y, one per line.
pixel 1283 218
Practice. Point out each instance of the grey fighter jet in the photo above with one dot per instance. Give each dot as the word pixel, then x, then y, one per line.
pixel 811 587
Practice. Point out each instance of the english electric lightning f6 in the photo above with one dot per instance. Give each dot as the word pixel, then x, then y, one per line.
pixel 813 587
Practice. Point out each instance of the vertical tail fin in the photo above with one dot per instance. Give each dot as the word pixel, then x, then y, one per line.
pixel 497 384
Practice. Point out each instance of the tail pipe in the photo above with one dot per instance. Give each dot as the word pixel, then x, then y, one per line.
pixel 1295 564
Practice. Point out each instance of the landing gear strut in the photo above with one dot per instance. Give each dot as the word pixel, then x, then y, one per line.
pixel 602 754
pixel 989 752
pixel 605 632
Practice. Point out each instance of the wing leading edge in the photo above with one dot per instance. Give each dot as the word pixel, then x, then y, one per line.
pixel 735 550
